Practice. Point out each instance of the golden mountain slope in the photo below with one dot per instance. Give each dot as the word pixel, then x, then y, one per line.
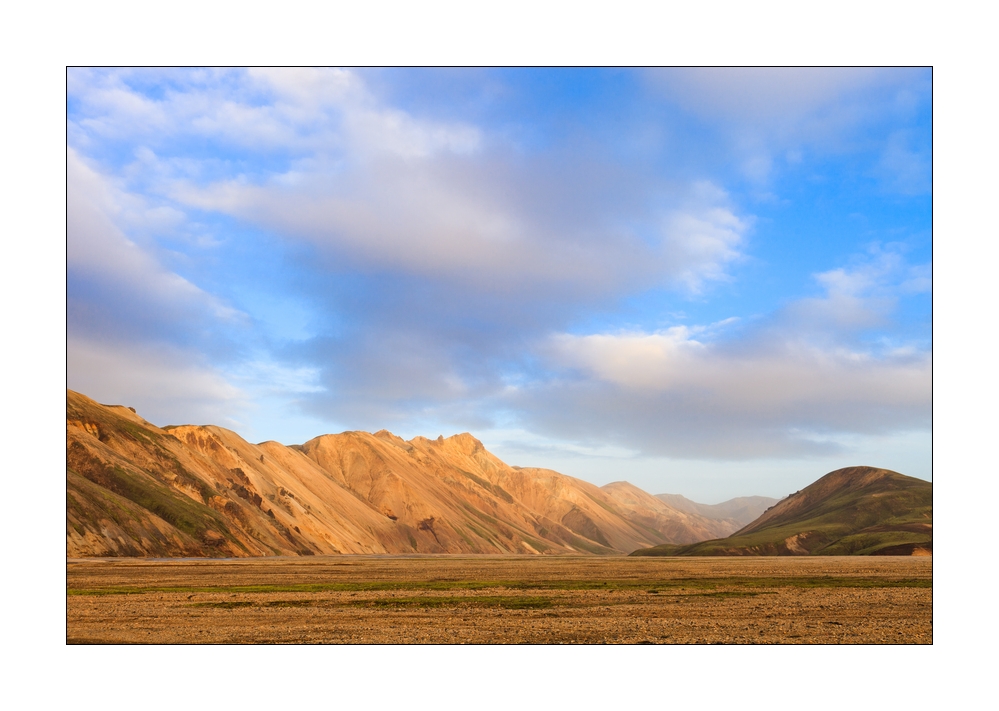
pixel 134 489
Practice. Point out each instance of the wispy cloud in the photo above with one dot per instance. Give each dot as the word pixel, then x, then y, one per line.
pixel 118 281
pixel 905 165
pixel 860 296
pixel 769 113
pixel 779 386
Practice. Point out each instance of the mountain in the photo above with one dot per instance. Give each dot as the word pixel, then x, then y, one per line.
pixel 682 525
pixel 851 511
pixel 135 489
pixel 740 511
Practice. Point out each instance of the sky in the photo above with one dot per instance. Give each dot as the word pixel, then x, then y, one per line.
pixel 712 282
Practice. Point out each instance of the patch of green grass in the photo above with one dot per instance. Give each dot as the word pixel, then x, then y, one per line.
pixel 666 549
pixel 476 530
pixel 825 582
pixel 536 544
pixel 649 531
pixel 468 541
pixel 137 432
pixel 176 509
pixel 564 585
pixel 496 523
pixel 96 502
pixel 594 548
pixel 503 602
pixel 234 604
pixel 489 486
pixel 480 532
pixel 109 421
pixel 602 504
pixel 158 499
pixel 866 543
pixel 726 593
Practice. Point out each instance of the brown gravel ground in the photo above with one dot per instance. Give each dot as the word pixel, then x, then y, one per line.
pixel 501 600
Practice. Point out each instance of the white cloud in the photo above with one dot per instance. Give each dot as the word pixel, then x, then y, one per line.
pixel 919 280
pixel 702 239
pixel 767 111
pixel 630 360
pixel 393 191
pixel 264 109
pixel 783 381
pixel 442 221
pixel 165 384
pixel 665 395
pixel 905 167
pixel 775 95
pixel 862 295
pixel 378 131
pixel 267 376
pixel 311 86
pixel 98 249
pixel 797 383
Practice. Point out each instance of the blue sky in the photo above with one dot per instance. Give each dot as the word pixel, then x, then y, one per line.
pixel 713 282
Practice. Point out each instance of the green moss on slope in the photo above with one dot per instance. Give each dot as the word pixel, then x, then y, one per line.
pixel 891 510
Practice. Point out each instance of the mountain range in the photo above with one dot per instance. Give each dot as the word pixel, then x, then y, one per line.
pixel 135 489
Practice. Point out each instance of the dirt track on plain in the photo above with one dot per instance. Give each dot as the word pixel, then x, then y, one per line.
pixel 501 599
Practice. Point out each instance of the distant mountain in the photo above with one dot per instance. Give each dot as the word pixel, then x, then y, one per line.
pixel 741 510
pixel 135 489
pixel 683 526
pixel 852 511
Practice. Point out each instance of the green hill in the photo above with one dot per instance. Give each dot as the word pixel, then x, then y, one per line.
pixel 851 511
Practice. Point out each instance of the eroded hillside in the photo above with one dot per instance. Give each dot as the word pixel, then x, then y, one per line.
pixel 135 489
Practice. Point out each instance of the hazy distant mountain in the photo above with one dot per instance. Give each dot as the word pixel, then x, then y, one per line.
pixel 741 510
pixel 134 489
pixel 682 526
pixel 852 511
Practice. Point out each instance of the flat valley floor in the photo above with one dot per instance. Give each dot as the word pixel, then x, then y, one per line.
pixel 501 600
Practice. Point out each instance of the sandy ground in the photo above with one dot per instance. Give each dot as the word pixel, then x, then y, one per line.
pixel 501 599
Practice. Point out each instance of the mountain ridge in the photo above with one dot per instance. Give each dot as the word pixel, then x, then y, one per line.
pixel 135 489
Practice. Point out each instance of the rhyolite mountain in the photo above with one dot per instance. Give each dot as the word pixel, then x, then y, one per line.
pixel 740 511
pixel 135 489
pixel 851 511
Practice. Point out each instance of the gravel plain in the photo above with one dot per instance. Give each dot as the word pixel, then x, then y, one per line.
pixel 501 600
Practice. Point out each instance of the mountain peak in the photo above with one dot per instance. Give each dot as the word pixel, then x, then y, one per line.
pixel 466 443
